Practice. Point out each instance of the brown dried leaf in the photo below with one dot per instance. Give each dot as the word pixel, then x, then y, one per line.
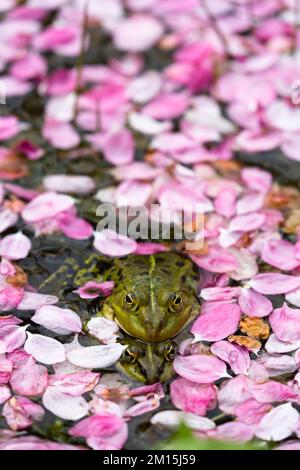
pixel 255 327
pixel 249 343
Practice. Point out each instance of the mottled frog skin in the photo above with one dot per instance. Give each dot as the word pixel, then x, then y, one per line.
pixel 147 362
pixel 155 296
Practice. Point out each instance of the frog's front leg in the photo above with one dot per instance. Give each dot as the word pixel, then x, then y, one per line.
pixel 106 312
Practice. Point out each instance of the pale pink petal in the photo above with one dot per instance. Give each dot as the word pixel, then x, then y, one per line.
pixel 278 424
pixel 285 322
pixel 148 248
pixel 237 357
pixel 257 179
pixel 16 246
pixel 171 142
pixel 233 432
pixel 290 146
pixel 60 134
pixel 137 33
pixel 20 412
pixel 62 321
pixel 171 419
pixel 275 346
pixel 8 218
pixel 10 297
pixel 142 407
pixel 33 300
pixel 75 384
pixel 274 283
pixel 251 411
pixel 217 260
pixel 225 202
pixel 280 253
pixel 35 443
pixel 46 205
pixel 118 148
pixel 191 397
pixel 254 304
pixel 217 321
pixel 201 369
pixel 74 184
pixel 92 289
pixel 247 222
pixel 29 379
pixel 111 243
pixel 272 391
pixel 111 442
pixel 278 364
pixel 133 193
pixel 12 337
pixel 167 106
pixel 219 293
pixel 44 349
pixel 289 445
pixel 103 329
pixel 147 125
pixel 254 140
pixel 65 406
pixel 96 357
pixel 4 394
pixel 233 392
pixel 251 202
pixel 282 115
pixel 9 127
pixel 247 265
pixel 145 87
pixel 294 297
pixel 6 367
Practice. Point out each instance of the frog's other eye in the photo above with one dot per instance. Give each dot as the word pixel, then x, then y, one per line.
pixel 130 355
pixel 130 300
pixel 175 302
pixel 169 352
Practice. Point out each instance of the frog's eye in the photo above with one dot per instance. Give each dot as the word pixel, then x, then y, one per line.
pixel 169 352
pixel 129 299
pixel 175 302
pixel 130 355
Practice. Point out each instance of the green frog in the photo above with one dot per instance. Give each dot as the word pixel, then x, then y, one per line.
pixel 147 362
pixel 153 299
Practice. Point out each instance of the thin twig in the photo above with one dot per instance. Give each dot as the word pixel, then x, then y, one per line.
pixel 214 24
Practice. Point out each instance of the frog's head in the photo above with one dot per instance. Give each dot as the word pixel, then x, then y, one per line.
pixel 152 312
pixel 147 363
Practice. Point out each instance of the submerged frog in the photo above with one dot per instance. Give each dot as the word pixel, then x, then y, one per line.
pixel 154 296
pixel 147 362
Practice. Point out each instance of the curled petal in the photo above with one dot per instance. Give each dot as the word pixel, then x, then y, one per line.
pixel 44 349
pixel 96 357
pixel 278 424
pixel 65 406
pixel 237 358
pixel 62 321
pixel 200 369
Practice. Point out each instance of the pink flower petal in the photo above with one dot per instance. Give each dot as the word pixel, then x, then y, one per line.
pixel 147 405
pixel 74 227
pixel 247 222
pixel 9 127
pixel 11 337
pixel 247 265
pixel 272 391
pixel 75 384
pixel 290 146
pixel 96 357
pixel 217 260
pixel 219 293
pixel 251 411
pixel 33 301
pixel 118 148
pixel 10 297
pixel 280 253
pixel 20 412
pixel 65 406
pixel 191 397
pixel 130 191
pixel 257 179
pixel 29 379
pixel 294 297
pixel 148 248
pixel 201 369
pixel 4 394
pixel 44 349
pixel 275 346
pixel 251 202
pixel 7 219
pixel 6 367
pixel 285 322
pixel 111 243
pixel 92 289
pixel 137 33
pixel 46 205
pixel 167 106
pixel 237 357
pixel 278 424
pixel 233 392
pixel 74 184
pixel 254 304
pixel 274 283
pixel 60 134
pixel 62 321
pixel 278 364
pixel 217 321
pixel 233 432
pixel 16 246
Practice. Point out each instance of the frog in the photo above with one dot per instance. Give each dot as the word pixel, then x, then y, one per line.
pixel 147 362
pixel 154 296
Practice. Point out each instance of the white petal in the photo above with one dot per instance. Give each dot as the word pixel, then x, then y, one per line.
pixel 62 321
pixel 44 349
pixel 95 357
pixel 65 406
